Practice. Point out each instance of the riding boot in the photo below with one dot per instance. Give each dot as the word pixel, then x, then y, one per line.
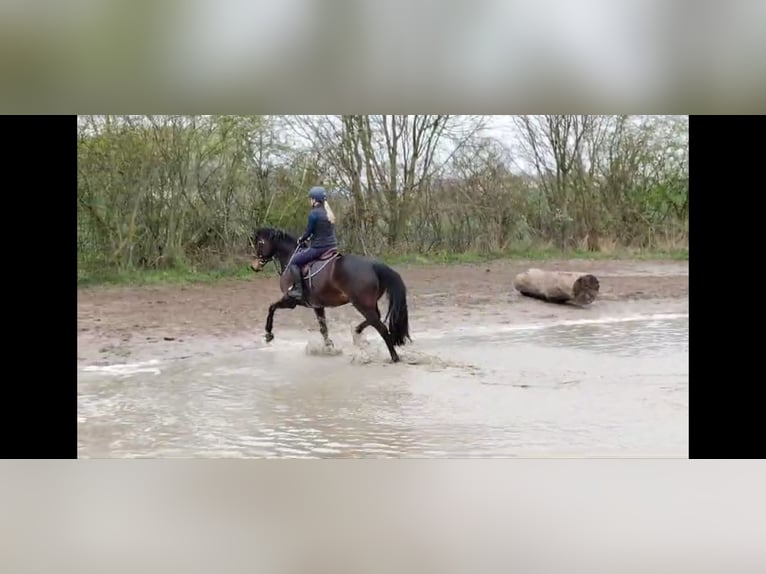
pixel 296 291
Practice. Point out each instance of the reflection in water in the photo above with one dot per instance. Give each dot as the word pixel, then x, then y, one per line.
pixel 619 389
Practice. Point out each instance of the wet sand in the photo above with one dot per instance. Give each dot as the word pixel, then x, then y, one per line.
pixel 116 324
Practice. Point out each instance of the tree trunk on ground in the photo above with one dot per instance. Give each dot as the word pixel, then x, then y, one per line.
pixel 558 286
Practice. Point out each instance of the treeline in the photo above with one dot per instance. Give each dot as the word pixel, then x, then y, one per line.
pixel 163 191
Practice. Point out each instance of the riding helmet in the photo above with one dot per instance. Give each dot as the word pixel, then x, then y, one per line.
pixel 318 194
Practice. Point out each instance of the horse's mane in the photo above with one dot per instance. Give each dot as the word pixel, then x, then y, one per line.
pixel 274 234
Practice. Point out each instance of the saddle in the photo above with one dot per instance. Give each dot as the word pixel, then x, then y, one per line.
pixel 319 263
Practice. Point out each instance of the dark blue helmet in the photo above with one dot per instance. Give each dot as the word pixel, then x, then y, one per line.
pixel 318 194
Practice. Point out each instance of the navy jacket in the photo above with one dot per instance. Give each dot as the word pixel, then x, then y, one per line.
pixel 320 230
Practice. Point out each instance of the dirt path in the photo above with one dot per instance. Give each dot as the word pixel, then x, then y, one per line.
pixel 115 323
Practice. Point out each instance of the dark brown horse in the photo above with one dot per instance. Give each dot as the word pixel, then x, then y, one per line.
pixel 336 280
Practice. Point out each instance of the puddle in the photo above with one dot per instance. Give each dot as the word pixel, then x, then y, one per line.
pixel 611 385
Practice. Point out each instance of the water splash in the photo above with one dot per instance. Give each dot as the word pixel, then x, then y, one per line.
pixel 318 348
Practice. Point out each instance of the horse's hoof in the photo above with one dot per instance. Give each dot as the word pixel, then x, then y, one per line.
pixel 329 344
pixel 395 359
pixel 268 337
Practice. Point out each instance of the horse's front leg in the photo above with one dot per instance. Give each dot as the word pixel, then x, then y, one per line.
pixel 283 303
pixel 322 320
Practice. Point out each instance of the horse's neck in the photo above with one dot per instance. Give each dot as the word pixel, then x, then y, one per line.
pixel 284 253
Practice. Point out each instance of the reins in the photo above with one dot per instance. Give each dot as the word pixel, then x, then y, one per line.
pixel 278 263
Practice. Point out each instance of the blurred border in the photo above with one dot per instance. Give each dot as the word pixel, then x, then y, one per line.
pixel 508 56
pixel 438 516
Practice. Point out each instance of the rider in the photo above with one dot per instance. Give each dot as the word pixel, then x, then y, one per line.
pixel 321 230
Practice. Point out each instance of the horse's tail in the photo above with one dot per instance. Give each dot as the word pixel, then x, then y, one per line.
pixel 397 316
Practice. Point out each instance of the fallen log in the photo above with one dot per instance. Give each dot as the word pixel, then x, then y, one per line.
pixel 558 286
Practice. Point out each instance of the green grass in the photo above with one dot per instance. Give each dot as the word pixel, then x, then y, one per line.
pixel 90 277
pixel 184 275
pixel 536 254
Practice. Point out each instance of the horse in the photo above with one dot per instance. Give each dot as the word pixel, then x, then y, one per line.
pixel 333 281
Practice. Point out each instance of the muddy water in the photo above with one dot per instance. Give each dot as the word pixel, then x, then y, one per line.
pixel 602 387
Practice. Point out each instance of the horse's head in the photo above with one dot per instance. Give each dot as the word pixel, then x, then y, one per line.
pixel 264 250
pixel 266 242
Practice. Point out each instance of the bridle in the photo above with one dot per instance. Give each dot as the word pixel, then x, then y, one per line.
pixel 263 261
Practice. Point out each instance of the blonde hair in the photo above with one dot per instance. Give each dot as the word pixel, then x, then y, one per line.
pixel 330 214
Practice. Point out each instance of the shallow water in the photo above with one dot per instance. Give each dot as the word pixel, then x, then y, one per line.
pixel 603 387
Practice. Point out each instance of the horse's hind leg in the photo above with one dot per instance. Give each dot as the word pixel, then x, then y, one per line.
pixel 364 324
pixel 372 318
pixel 319 311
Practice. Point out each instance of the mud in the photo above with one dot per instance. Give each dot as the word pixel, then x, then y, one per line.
pixel 118 323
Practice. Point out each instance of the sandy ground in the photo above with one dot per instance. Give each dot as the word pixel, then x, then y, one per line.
pixel 116 324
